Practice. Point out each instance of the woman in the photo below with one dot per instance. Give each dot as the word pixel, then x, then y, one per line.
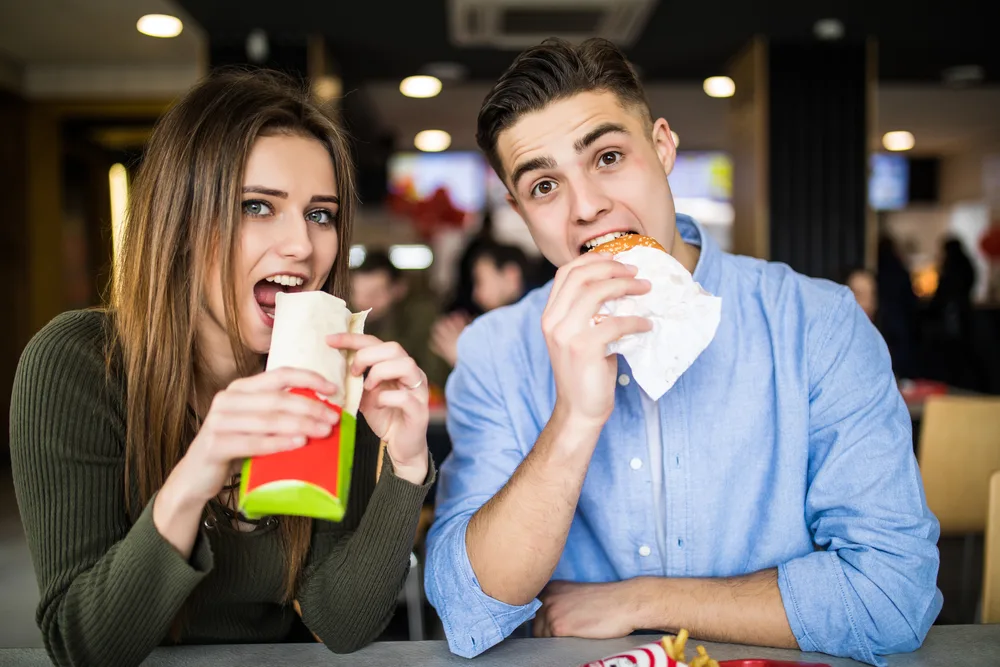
pixel 129 424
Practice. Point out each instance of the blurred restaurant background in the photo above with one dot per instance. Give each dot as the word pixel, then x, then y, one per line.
pixel 856 143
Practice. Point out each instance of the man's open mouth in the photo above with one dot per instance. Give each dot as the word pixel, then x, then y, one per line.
pixel 604 238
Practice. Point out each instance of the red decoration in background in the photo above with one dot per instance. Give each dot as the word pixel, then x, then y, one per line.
pixel 990 243
pixel 428 215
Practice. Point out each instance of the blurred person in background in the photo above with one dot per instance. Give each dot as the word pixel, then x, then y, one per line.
pixel 951 354
pixel 897 310
pixel 499 276
pixel 396 315
pixel 129 424
pixel 864 286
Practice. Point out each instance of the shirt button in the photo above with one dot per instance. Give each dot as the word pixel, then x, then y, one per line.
pixel 644 551
pixel 635 464
pixel 624 379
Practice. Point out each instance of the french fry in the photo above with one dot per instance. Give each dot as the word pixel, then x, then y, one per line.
pixel 700 660
pixel 679 645
pixel 674 646
pixel 668 646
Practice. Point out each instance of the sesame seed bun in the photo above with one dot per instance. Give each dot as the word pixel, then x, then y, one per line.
pixel 627 242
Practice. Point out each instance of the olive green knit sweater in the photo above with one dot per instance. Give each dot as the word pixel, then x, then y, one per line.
pixel 112 587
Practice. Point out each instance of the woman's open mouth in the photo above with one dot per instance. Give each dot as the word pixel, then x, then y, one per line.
pixel 266 291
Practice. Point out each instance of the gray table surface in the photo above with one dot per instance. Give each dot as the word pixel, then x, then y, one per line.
pixel 946 646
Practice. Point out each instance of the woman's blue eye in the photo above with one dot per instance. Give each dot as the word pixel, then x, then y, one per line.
pixel 256 208
pixel 321 216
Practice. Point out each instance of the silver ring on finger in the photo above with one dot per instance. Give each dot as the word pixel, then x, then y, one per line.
pixel 415 386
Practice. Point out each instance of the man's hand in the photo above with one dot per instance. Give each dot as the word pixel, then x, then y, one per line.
pixel 584 373
pixel 593 611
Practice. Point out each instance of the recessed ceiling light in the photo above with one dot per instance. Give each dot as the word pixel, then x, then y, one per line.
pixel 829 30
pixel 719 86
pixel 159 25
pixel 420 86
pixel 898 140
pixel 432 141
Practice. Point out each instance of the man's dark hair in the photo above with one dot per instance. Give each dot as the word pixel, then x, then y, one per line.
pixel 554 70
pixel 378 260
pixel 503 255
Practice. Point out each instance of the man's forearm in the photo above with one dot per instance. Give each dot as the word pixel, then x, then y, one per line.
pixel 739 610
pixel 516 539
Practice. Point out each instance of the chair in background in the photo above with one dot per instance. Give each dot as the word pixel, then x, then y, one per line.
pixel 959 450
pixel 991 563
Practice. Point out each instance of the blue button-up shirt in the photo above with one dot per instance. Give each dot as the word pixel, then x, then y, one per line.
pixel 786 444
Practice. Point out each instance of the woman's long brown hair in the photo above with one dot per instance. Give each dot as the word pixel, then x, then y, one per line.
pixel 184 213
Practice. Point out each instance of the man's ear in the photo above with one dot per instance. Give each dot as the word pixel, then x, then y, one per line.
pixel 513 203
pixel 663 143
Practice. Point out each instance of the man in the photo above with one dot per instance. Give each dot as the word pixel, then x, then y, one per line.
pixel 377 284
pixel 499 275
pixel 864 286
pixel 770 497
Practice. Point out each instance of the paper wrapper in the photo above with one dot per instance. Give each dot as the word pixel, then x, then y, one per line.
pixel 685 318
pixel 315 479
pixel 646 655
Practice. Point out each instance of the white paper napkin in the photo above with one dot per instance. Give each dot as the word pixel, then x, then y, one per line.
pixel 685 318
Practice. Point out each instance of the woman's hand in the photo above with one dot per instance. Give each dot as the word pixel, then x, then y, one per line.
pixel 254 416
pixel 394 402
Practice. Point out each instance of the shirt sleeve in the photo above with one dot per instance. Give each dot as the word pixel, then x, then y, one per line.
pixel 485 454
pixel 870 588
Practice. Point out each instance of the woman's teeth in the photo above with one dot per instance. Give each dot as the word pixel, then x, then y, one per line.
pixel 610 236
pixel 286 280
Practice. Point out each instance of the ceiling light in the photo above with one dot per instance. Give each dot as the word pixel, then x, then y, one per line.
pixel 159 25
pixel 829 30
pixel 410 257
pixel 719 86
pixel 420 86
pixel 899 140
pixel 432 141
pixel 676 137
pixel 357 257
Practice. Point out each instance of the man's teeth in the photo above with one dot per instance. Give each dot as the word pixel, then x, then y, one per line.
pixel 288 281
pixel 610 236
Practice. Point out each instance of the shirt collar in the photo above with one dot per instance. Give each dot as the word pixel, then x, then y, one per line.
pixel 706 271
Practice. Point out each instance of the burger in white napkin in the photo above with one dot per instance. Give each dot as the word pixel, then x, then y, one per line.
pixel 685 317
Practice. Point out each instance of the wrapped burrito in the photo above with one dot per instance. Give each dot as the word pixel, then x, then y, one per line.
pixel 315 479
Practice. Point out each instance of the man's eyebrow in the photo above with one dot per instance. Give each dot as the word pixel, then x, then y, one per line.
pixel 597 133
pixel 531 165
